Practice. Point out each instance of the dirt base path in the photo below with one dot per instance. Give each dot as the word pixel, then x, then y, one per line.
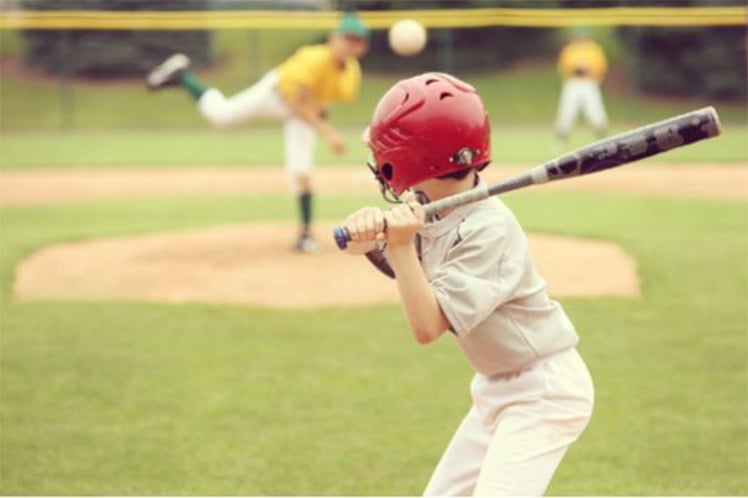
pixel 52 186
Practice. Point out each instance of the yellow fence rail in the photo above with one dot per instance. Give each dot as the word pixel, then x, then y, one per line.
pixel 325 20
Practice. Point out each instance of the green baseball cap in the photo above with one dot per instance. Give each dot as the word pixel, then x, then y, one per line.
pixel 351 24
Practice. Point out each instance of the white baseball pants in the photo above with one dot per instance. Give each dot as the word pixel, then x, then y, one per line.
pixel 262 100
pixel 580 95
pixel 517 431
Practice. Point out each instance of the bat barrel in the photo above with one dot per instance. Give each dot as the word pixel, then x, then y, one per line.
pixel 637 144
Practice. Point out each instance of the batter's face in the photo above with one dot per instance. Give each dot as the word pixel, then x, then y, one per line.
pixel 438 188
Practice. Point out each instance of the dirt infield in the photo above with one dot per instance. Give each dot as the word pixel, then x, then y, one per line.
pixel 252 264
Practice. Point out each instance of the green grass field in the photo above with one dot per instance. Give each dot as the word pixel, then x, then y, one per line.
pixel 263 146
pixel 127 398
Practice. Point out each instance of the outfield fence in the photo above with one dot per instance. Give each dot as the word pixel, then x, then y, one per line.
pixel 323 20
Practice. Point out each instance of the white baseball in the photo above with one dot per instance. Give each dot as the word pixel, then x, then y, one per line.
pixel 407 37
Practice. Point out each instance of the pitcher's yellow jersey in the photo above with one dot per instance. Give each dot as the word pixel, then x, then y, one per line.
pixel 314 67
pixel 582 58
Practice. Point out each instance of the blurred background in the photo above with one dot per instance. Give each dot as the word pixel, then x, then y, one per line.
pixel 113 397
pixel 76 67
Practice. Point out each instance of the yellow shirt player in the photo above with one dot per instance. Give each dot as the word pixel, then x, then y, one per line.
pixel 582 65
pixel 583 58
pixel 317 69
pixel 299 91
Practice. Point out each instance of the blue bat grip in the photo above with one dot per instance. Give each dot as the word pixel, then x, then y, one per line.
pixel 342 237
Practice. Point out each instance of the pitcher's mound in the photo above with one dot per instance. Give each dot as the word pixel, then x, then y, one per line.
pixel 253 264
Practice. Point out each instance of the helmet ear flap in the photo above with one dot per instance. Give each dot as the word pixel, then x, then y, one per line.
pixel 384 186
pixel 388 172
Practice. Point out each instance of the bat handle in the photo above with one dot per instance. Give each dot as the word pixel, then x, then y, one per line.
pixel 342 237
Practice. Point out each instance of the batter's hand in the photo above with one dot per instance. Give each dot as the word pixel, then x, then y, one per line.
pixel 404 221
pixel 366 224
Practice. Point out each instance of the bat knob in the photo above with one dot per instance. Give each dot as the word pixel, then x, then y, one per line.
pixel 342 237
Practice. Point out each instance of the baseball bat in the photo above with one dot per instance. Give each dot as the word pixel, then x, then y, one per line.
pixel 624 148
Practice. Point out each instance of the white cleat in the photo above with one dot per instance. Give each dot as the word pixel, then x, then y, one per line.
pixel 166 73
pixel 306 244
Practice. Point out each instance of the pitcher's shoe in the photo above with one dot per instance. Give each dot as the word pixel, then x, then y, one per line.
pixel 167 73
pixel 306 244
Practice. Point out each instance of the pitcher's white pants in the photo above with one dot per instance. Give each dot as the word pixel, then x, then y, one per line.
pixel 580 95
pixel 517 431
pixel 262 100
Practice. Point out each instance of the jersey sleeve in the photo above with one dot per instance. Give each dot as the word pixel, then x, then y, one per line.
pixel 301 69
pixel 599 63
pixel 482 271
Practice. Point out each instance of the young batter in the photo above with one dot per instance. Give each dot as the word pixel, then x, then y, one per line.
pixel 299 91
pixel 468 272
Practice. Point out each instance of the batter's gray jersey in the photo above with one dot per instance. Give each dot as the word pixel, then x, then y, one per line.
pixel 478 262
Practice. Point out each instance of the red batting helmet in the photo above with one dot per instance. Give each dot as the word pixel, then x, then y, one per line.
pixel 425 127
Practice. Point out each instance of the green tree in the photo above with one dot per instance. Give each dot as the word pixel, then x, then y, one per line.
pixel 699 61
pixel 705 61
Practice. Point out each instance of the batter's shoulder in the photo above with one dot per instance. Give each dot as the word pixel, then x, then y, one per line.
pixel 488 221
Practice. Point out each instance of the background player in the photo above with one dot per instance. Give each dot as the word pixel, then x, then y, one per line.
pixel 299 91
pixel 469 272
pixel 582 65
